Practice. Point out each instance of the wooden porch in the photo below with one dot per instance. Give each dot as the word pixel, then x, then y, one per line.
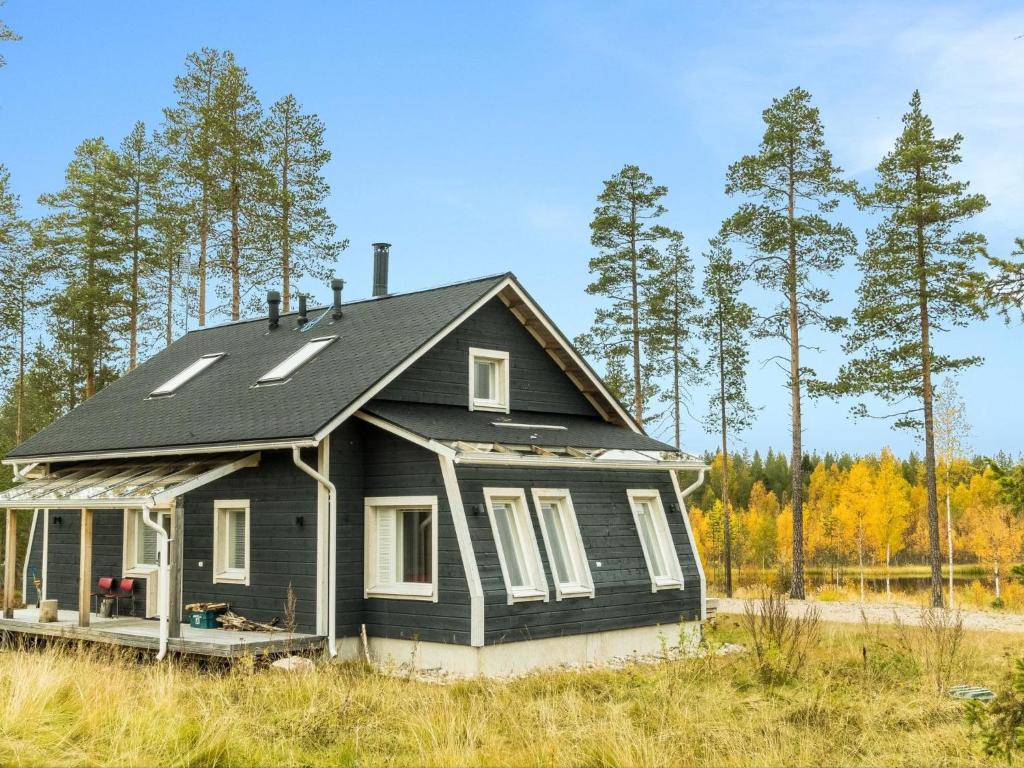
pixel 133 632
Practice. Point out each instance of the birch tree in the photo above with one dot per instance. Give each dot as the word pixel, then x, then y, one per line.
pixel 918 279
pixel 952 432
pixel 724 328
pixel 792 189
pixel 890 511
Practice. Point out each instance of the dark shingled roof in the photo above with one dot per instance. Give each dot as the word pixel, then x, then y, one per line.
pixel 222 406
pixel 452 422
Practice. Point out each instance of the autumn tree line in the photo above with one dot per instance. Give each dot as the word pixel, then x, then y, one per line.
pixel 168 227
pixel 923 271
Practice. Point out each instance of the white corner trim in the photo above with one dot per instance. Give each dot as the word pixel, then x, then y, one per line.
pixel 664 533
pixel 579 557
pixel 28 556
pixel 693 547
pixel 465 540
pixel 424 442
pixel 399 590
pixel 538 589
pixel 46 549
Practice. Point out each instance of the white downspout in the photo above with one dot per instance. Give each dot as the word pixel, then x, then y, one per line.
pixel 163 588
pixel 332 546
pixel 695 485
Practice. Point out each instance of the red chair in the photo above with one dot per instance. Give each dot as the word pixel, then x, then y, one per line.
pixel 105 587
pixel 125 591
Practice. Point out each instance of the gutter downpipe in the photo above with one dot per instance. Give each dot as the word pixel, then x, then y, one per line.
pixel 332 546
pixel 695 485
pixel 164 591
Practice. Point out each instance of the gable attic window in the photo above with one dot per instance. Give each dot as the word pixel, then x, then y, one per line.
pixel 488 380
pixel 173 384
pixel 283 371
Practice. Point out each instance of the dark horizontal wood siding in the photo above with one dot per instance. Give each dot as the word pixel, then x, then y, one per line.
pixel 623 596
pixel 394 467
pixel 536 382
pixel 107 556
pixel 282 550
pixel 346 472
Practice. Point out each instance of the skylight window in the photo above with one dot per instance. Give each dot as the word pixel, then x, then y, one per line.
pixel 173 384
pixel 283 371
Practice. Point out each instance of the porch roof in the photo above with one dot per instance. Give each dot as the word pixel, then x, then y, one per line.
pixel 122 484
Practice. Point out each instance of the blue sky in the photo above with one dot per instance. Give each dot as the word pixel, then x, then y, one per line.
pixel 475 136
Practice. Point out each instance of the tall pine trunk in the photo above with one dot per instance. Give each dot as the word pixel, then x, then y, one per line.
pixel 934 557
pixel 204 232
pixel 235 267
pixel 638 395
pixel 169 318
pixel 726 512
pixel 133 306
pixel 796 460
pixel 19 423
pixel 286 225
pixel 949 538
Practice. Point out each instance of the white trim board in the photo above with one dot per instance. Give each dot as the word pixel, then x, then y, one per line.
pixel 142 453
pixel 465 540
pixel 693 546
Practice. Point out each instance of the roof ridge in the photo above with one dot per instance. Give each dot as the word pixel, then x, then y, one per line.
pixel 364 300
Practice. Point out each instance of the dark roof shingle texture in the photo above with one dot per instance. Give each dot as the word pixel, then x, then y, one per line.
pixel 222 406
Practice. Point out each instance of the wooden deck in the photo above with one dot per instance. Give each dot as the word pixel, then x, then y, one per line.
pixel 134 632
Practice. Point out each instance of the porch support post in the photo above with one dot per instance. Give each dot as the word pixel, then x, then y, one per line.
pixel 176 550
pixel 85 568
pixel 10 556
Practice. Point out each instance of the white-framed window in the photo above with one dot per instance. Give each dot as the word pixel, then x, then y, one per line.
pixel 401 547
pixel 516 543
pixel 488 380
pixel 563 543
pixel 283 371
pixel 231 541
pixel 655 539
pixel 140 542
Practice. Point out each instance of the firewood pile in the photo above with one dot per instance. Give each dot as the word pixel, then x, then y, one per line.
pixel 231 620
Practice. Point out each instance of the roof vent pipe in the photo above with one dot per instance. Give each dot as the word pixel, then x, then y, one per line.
pixel 302 319
pixel 336 285
pixel 380 268
pixel 273 312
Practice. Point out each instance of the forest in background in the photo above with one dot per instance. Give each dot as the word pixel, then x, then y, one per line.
pixel 190 221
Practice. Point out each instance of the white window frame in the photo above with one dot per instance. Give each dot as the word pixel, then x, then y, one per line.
pixel 500 403
pixel 399 590
pixel 170 387
pixel 674 579
pixel 131 567
pixel 537 589
pixel 221 573
pixel 577 552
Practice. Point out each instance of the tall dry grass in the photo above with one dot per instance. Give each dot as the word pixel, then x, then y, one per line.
pixel 78 706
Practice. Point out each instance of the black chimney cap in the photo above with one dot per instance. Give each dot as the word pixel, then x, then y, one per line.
pixel 336 285
pixel 273 312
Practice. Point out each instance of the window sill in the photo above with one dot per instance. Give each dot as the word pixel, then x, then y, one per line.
pixel 570 592
pixel 661 584
pixel 401 593
pixel 494 407
pixel 527 595
pixel 231 578
pixel 140 571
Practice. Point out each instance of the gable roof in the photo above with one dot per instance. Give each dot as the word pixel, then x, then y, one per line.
pixel 222 409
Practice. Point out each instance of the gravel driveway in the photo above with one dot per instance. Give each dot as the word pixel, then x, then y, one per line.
pixel 885 613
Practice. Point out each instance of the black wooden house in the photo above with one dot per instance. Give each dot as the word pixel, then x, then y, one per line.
pixel 438 469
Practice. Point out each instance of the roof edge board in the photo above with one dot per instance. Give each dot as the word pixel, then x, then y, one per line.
pixel 169 451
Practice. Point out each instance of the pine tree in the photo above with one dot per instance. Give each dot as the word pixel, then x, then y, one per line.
pixel 793 185
pixel 189 136
pixel 625 334
pixel 300 231
pixel 724 328
pixel 21 285
pixel 7 35
pixel 80 243
pixel 137 174
pixel 1005 288
pixel 237 131
pixel 917 277
pixel 170 248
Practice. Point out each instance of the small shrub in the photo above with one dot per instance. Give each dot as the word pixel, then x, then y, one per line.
pixel 937 646
pixel 998 604
pixel 829 594
pixel 781 643
pixel 782 578
pixel 1000 724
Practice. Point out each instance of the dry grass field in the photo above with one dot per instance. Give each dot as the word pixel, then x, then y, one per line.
pixel 864 696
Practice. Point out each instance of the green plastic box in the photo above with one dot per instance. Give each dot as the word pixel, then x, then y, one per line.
pixel 204 619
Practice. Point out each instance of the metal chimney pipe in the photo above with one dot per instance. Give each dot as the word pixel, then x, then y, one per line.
pixel 381 251
pixel 336 285
pixel 302 318
pixel 273 312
